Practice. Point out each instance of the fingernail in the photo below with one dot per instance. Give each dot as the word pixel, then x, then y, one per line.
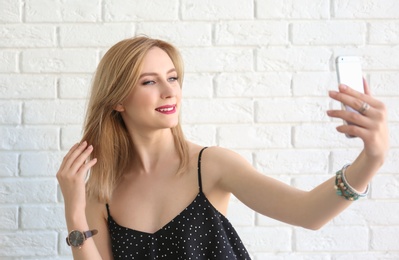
pixel 343 87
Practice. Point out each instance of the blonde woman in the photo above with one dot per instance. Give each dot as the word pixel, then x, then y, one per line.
pixel 151 194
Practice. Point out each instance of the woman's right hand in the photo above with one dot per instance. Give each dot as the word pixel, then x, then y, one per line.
pixel 71 177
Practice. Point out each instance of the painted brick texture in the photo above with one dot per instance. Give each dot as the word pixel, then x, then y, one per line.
pixel 257 77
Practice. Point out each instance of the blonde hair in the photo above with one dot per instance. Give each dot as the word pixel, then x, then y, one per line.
pixel 117 74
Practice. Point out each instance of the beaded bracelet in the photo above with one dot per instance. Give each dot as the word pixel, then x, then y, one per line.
pixel 344 189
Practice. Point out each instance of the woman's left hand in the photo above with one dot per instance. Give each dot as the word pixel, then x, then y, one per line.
pixel 370 124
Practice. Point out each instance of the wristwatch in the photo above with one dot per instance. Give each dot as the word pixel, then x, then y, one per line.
pixel 76 238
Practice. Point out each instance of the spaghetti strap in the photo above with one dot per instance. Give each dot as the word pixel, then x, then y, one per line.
pixel 106 205
pixel 199 169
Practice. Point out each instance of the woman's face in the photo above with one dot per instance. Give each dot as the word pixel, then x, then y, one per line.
pixel 154 102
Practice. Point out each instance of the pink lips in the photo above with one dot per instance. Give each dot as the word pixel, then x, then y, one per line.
pixel 168 109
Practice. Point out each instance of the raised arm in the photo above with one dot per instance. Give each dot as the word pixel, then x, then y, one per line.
pixel 71 177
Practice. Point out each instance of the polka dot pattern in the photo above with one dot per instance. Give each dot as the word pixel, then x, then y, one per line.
pixel 200 231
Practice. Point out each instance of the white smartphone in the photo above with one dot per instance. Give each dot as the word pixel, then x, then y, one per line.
pixel 349 72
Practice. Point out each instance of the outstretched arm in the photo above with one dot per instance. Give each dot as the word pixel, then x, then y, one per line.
pixel 315 208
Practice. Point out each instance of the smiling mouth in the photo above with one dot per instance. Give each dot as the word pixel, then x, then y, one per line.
pixel 166 109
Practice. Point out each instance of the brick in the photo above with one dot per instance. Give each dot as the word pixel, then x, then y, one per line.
pixel 57 60
pixel 70 135
pixel 367 255
pixel 264 239
pixel 393 137
pixel 10 11
pixel 46 217
pixel 12 36
pixel 294 256
pixel 291 110
pixel 291 9
pixel 251 84
pixel 384 238
pixel 40 163
pixel 391 106
pixel 293 59
pixel 365 9
pixel 329 33
pixel 368 212
pixel 62 11
pixel 99 35
pixel 391 163
pixel 8 61
pixel 29 138
pixel 63 248
pixel 385 187
pixel 240 215
pixel 227 111
pixel 223 59
pixel 10 112
pixel 8 164
pixel 217 10
pixel 198 85
pixel 384 83
pixel 121 10
pixel 254 137
pixel 27 86
pixel 54 112
pixel 8 218
pixel 313 83
pixel 201 134
pixel 352 239
pixel 27 243
pixel 374 57
pixel 321 136
pixel 74 86
pixel 179 33
pixel 251 33
pixel 292 161
pixel 32 190
pixel 385 32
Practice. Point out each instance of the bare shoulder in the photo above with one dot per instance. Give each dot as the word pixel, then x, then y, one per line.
pixel 224 160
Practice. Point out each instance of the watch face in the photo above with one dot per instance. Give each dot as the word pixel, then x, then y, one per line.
pixel 76 238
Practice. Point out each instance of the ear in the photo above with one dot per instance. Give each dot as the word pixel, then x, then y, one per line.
pixel 119 108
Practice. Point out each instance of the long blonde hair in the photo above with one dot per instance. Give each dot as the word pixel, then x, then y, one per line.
pixel 117 74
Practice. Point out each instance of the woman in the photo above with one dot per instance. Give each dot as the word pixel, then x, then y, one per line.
pixel 143 173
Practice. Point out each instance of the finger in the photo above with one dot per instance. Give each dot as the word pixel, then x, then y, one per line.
pixel 86 166
pixel 81 159
pixel 347 94
pixel 352 117
pixel 68 154
pixel 366 87
pixel 75 153
pixel 355 99
pixel 353 130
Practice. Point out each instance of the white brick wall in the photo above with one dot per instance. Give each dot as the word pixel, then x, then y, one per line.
pixel 258 72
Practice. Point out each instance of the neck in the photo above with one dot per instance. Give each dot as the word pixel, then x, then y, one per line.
pixel 153 150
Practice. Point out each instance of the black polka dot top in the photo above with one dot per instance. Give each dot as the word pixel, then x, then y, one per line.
pixel 200 231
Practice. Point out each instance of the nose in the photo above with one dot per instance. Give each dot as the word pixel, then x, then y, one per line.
pixel 168 89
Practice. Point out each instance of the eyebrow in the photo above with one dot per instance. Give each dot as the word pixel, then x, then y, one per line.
pixel 154 74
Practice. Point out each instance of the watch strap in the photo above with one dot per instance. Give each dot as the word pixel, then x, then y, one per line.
pixel 90 233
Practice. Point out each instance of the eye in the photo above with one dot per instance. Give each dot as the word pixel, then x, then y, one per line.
pixel 149 82
pixel 172 79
